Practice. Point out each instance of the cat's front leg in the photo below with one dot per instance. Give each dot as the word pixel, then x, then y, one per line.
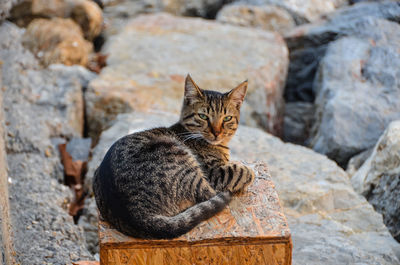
pixel 234 177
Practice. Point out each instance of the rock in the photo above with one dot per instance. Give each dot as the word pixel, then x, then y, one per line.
pixel 385 159
pixel 79 148
pixel 117 16
pixel 378 178
pixel 88 222
pixel 89 16
pixel 267 17
pixel 357 161
pixel 57 41
pixel 5 7
pixel 42 229
pixel 357 88
pixel 385 198
pixel 329 222
pixel 85 13
pixel 297 123
pixel 307 43
pixel 194 8
pixel 39 106
pixel 57 98
pixel 302 11
pixel 137 76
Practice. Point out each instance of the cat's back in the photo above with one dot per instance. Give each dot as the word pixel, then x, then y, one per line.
pixel 141 154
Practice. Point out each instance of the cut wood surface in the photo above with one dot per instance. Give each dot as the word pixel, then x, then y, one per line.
pixel 251 230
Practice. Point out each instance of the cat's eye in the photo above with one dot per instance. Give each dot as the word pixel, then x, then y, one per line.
pixel 228 118
pixel 203 116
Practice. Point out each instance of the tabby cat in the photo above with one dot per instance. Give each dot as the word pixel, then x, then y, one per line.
pixel 162 182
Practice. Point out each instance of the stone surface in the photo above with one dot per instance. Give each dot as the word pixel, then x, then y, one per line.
pixel 385 159
pixel 89 16
pixel 85 13
pixel 385 198
pixel 88 221
pixel 357 88
pixel 116 16
pixel 194 8
pixel 307 43
pixel 357 161
pixel 6 244
pixel 149 60
pixel 39 104
pixel 5 7
pixel 329 222
pixel 57 41
pixel 379 178
pixel 297 123
pixel 308 10
pixel 267 17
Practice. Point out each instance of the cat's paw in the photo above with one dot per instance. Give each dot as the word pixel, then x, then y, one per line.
pixel 243 176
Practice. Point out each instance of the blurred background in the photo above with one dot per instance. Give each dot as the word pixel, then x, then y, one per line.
pixel 322 110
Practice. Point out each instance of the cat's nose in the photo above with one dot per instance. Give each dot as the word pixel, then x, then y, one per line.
pixel 216 133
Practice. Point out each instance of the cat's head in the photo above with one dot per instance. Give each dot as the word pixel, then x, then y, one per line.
pixel 211 115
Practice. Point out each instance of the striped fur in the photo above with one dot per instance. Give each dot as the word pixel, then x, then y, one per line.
pixel 162 182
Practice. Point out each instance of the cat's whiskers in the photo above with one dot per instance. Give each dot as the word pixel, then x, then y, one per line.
pixel 192 136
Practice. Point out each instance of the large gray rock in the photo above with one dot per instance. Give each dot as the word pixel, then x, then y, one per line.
pixel 307 43
pixel 38 105
pixel 267 17
pixel 117 16
pixel 301 10
pixel 150 58
pixel 330 223
pixel 357 88
pixel 379 178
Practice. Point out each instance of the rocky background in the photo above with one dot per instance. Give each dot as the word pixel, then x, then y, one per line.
pixel 323 110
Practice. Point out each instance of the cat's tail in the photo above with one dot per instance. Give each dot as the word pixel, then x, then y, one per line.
pixel 164 227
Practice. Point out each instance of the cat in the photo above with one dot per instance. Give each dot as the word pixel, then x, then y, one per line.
pixel 162 182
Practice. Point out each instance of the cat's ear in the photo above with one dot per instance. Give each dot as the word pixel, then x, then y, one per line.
pixel 192 91
pixel 237 94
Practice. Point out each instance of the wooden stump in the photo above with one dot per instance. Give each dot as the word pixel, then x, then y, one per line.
pixel 252 230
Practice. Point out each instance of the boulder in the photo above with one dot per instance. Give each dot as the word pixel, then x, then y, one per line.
pixel 329 222
pixel 308 43
pixel 357 88
pixel 297 123
pixel 85 13
pixel 266 17
pixel 378 179
pixel 40 104
pixel 150 58
pixel 117 16
pixel 385 159
pixel 57 40
pixel 385 198
pixel 89 16
pixel 5 7
pixel 194 8
pixel 302 11
pixel 357 161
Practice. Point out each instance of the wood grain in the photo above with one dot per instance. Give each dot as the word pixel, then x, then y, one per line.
pixel 252 230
